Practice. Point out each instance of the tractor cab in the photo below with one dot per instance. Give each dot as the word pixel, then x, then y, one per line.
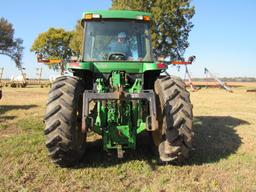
pixel 116 40
pixel 116 36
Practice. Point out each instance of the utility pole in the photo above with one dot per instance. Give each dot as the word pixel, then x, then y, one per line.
pixel 1 74
pixel 39 74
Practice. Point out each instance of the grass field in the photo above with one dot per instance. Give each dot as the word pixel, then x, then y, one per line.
pixel 224 158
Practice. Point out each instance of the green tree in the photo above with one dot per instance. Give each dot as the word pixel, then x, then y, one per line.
pixel 8 45
pixel 171 23
pixel 54 44
pixel 76 42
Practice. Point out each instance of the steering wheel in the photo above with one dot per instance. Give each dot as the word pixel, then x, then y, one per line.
pixel 117 57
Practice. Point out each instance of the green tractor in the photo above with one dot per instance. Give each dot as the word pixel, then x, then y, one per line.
pixel 117 91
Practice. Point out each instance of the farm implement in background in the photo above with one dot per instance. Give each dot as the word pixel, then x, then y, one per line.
pixel 221 83
pixel 21 80
pixel 14 81
pixel 251 90
pixel 190 60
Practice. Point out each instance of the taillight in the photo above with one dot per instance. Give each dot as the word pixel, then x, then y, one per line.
pixel 74 64
pixel 161 66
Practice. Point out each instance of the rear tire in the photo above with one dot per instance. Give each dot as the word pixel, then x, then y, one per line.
pixel 64 139
pixel 174 136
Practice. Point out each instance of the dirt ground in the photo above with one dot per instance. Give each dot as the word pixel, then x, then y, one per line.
pixel 224 158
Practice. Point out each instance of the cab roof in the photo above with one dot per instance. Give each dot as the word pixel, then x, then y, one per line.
pixel 118 14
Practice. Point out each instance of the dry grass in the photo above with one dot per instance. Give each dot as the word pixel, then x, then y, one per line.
pixel 224 159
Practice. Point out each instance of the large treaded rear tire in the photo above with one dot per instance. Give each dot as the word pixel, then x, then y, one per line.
pixel 64 139
pixel 174 136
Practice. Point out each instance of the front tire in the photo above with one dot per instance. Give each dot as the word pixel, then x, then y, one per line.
pixel 63 117
pixel 174 136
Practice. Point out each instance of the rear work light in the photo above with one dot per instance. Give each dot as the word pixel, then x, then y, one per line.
pixel 92 16
pixel 143 17
pixel 74 64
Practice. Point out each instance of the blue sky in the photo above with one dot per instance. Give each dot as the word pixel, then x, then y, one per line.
pixel 223 38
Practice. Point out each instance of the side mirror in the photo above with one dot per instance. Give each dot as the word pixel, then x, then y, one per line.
pixel 74 59
pixel 192 58
pixel 160 59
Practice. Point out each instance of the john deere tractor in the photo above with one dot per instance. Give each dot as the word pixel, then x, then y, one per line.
pixel 118 92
